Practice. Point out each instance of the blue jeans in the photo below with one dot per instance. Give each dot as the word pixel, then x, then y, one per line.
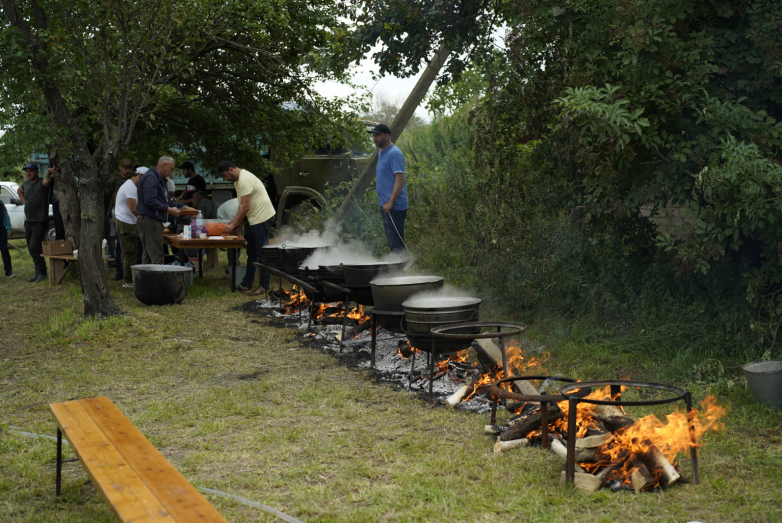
pixel 395 236
pixel 258 237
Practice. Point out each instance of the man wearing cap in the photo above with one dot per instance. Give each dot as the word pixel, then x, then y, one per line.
pixel 391 187
pixel 254 203
pixel 34 194
pixel 125 219
pixel 195 183
pixel 153 204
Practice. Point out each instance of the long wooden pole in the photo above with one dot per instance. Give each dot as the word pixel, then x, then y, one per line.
pixel 414 99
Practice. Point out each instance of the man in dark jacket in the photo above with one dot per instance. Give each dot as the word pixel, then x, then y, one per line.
pixel 154 203
pixel 34 194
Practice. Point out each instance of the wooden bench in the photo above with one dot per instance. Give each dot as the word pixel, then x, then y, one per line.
pixel 136 481
pixel 57 268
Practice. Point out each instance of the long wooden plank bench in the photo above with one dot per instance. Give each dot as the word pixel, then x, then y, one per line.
pixel 133 478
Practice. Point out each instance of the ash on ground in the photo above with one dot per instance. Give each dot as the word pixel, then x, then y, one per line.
pixel 390 366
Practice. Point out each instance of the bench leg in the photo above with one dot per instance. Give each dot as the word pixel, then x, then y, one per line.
pixel 59 462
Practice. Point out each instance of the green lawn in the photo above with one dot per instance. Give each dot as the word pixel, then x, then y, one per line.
pixel 225 398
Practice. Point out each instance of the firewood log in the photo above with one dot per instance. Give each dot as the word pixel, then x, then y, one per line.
pixel 594 441
pixel 456 398
pixel 641 479
pixel 559 448
pixel 502 446
pixel 524 426
pixel 583 481
pixel 491 349
pixel 613 418
pixel 490 429
pixel 660 467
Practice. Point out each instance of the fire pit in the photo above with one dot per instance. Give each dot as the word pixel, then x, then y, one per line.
pixel 668 475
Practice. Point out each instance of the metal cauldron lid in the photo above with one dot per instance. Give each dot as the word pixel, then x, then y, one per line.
pixel 440 303
pixel 151 267
pixel 405 280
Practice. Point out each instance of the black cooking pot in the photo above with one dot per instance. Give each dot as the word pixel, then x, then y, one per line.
pixel 160 284
pixel 273 256
pixel 390 293
pixel 362 274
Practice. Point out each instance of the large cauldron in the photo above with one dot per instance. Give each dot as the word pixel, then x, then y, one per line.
pixel 423 314
pixel 390 293
pixel 272 255
pixel 362 274
pixel 160 284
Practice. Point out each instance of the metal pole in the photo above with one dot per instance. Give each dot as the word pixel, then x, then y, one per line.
pixel 431 370
pixel 616 393
pixel 504 359
pixel 412 366
pixel 58 474
pixel 570 468
pixel 696 480
pixel 544 424
pixel 374 339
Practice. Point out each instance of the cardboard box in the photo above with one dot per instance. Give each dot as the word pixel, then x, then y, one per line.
pixel 57 247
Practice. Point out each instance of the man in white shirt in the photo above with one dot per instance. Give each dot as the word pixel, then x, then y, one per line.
pixel 254 203
pixel 125 219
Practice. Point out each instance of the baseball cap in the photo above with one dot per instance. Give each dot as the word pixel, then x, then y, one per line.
pixel 187 165
pixel 381 128
pixel 31 165
pixel 223 166
pixel 125 162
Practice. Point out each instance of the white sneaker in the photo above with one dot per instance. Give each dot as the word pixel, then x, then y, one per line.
pixel 127 285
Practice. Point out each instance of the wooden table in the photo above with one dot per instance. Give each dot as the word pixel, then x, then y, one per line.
pixel 232 243
pixel 57 268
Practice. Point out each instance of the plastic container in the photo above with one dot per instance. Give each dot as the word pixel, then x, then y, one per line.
pixel 215 227
pixel 200 226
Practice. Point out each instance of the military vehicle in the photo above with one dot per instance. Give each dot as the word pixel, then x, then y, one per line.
pixel 307 178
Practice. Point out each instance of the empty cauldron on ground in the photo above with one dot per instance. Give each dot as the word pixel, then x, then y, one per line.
pixel 160 284
pixel 764 379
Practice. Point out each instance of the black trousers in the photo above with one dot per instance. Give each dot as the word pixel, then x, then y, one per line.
pixel 4 250
pixel 34 233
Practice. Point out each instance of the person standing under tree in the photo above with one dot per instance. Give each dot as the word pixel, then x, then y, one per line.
pixel 254 203
pixel 125 219
pixel 153 206
pixel 391 187
pixel 5 232
pixel 34 194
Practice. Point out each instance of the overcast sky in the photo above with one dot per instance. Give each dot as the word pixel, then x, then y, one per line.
pixel 390 87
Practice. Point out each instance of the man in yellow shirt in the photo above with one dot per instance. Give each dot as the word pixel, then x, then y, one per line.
pixel 254 203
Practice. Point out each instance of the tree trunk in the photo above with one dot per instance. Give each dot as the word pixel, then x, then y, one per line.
pixel 97 301
pixel 405 113
pixel 67 194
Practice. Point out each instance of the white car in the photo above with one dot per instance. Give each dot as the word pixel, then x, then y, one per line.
pixel 10 197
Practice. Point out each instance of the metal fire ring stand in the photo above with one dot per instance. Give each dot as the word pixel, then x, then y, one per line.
pixel 543 399
pixel 569 391
pixel 442 332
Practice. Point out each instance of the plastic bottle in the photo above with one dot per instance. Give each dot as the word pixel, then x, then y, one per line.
pixel 200 226
pixel 193 230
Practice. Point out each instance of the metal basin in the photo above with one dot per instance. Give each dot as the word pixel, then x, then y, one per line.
pixel 764 379
pixel 160 284
pixel 423 314
pixel 390 293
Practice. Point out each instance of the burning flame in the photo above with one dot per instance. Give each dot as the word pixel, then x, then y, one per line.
pixel 517 363
pixel 675 435
pixel 585 413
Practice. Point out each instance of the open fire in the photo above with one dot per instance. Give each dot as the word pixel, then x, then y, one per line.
pixel 295 301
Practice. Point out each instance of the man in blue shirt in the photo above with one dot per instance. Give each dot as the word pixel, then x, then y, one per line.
pixel 391 187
